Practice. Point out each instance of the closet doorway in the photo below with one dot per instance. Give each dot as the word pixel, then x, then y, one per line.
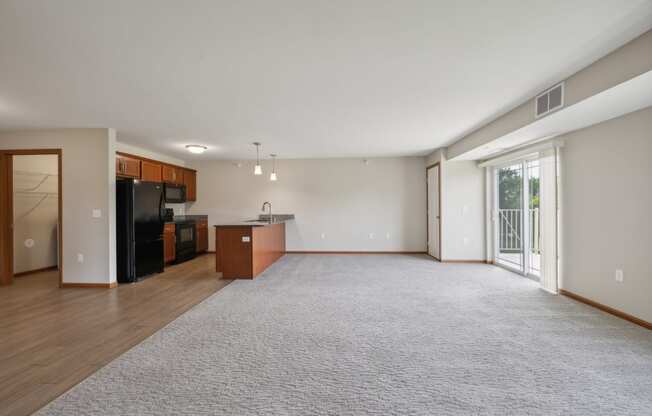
pixel 31 215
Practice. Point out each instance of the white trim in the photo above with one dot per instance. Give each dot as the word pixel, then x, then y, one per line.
pixel 529 152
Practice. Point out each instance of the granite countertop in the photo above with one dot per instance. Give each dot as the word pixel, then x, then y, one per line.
pixel 261 221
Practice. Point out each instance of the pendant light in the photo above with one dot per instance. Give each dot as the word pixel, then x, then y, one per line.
pixel 272 176
pixel 258 170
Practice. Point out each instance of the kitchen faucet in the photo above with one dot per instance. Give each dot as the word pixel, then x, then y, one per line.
pixel 270 210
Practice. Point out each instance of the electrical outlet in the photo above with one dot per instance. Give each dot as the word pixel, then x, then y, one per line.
pixel 466 241
pixel 323 236
pixel 388 236
pixel 97 213
pixel 619 276
pixel 371 236
pixel 80 258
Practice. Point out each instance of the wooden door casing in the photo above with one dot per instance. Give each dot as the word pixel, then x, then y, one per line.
pixel 7 209
pixel 6 219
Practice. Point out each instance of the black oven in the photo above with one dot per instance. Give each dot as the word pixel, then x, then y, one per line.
pixel 186 244
pixel 175 193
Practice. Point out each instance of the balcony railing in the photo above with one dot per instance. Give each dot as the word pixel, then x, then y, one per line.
pixel 509 223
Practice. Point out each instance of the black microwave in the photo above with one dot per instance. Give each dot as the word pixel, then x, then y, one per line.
pixel 175 193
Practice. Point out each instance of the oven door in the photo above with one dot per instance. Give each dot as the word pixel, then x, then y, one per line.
pixel 175 193
pixel 186 244
pixel 185 236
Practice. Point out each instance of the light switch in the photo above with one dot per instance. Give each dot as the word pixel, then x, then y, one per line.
pixel 97 213
pixel 619 276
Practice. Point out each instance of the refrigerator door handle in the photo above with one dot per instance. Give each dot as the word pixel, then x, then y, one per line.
pixel 160 208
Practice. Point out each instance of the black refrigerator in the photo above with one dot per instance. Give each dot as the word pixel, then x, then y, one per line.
pixel 140 214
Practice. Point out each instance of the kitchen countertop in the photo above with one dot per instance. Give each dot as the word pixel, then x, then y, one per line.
pixel 262 221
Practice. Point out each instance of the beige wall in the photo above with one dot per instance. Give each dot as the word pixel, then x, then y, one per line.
pixel 344 199
pixel 606 200
pixel 36 212
pixel 462 208
pixel 88 178
pixel 463 211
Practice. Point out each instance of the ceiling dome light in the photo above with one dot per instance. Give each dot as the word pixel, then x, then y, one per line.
pixel 196 148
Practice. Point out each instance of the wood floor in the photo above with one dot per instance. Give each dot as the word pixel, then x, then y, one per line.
pixel 52 338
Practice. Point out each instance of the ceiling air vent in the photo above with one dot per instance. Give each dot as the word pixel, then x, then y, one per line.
pixel 550 100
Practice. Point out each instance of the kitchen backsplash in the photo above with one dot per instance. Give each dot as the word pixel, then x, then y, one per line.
pixel 179 209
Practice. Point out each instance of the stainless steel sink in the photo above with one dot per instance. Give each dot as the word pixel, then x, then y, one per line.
pixel 276 218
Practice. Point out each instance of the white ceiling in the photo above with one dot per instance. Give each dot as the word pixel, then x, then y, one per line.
pixel 358 78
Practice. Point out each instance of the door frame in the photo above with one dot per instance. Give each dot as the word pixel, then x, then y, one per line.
pixel 436 164
pixel 525 218
pixel 7 219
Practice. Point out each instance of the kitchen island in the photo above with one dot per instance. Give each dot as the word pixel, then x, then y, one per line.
pixel 245 249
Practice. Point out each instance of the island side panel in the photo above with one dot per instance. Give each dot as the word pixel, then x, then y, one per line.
pixel 268 246
pixel 232 254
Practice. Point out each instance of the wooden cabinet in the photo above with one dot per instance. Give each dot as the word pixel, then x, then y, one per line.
pixel 151 171
pixel 127 166
pixel 172 174
pixel 243 252
pixel 202 236
pixel 169 242
pixel 190 180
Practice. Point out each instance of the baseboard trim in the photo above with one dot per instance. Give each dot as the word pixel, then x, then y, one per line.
pixel 608 309
pixel 466 261
pixel 111 285
pixel 352 252
pixel 34 271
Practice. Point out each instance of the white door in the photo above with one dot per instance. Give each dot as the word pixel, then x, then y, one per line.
pixel 433 212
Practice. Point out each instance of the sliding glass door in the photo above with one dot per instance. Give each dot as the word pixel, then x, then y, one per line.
pixel 525 216
pixel 510 221
pixel 518 224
